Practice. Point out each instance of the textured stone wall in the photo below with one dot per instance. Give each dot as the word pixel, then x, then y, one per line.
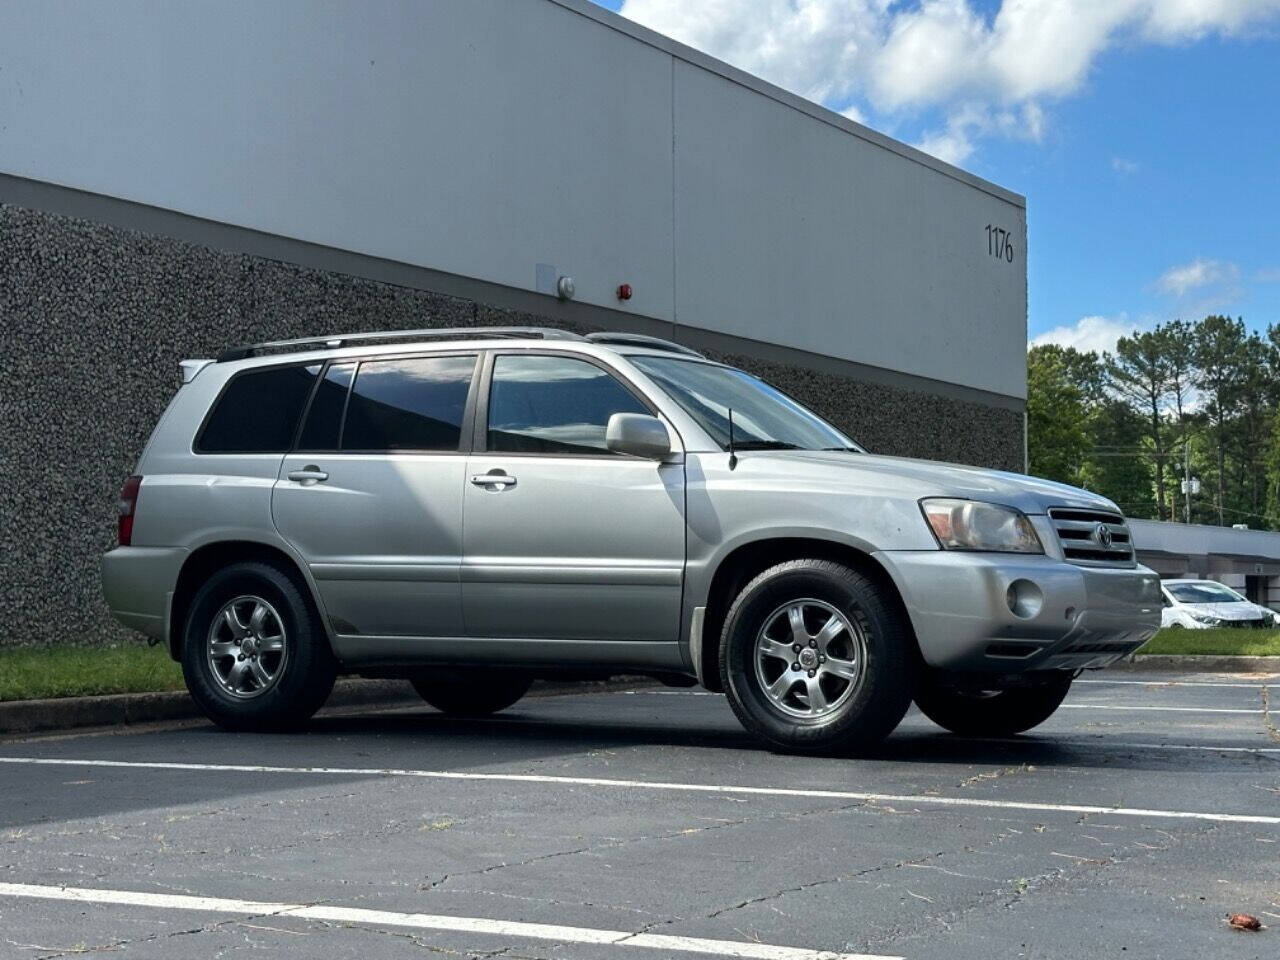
pixel 96 318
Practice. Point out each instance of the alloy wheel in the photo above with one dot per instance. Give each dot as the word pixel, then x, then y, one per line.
pixel 247 652
pixel 810 658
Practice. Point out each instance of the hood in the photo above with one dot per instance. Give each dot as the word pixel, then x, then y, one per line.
pixel 929 478
pixel 1227 611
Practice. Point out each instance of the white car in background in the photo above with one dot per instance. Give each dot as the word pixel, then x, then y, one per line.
pixel 1205 604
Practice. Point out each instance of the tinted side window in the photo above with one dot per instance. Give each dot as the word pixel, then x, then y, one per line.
pixel 258 411
pixel 411 404
pixel 553 405
pixel 324 419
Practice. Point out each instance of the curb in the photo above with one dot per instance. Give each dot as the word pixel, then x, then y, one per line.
pixel 1186 663
pixel 65 713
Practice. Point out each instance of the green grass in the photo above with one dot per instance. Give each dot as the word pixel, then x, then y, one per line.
pixel 1239 643
pixel 33 673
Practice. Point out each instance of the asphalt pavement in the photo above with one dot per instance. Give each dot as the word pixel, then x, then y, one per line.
pixel 645 823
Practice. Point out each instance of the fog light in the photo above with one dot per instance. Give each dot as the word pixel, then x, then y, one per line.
pixel 1024 599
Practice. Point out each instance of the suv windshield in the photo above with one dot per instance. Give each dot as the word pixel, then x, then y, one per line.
pixel 1203 593
pixel 764 418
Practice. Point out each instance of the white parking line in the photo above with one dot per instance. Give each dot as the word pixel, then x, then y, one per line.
pixel 427 921
pixel 1120 706
pixel 899 798
pixel 1188 683
pixel 1119 744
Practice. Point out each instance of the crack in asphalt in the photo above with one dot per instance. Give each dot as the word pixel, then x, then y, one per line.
pixel 996 774
pixel 150 938
pixel 618 842
pixel 1267 719
pixel 1080 870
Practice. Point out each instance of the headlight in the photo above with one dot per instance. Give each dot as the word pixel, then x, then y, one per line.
pixel 1206 619
pixel 973 525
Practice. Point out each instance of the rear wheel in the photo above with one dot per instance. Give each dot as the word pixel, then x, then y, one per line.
pixel 254 655
pixel 813 658
pixel 991 713
pixel 477 693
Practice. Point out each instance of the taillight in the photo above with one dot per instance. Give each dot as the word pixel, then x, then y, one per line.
pixel 126 508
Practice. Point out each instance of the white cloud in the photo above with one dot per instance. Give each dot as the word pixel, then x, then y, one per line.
pixel 972 121
pixel 853 113
pixel 1089 333
pixel 939 54
pixel 1180 280
pixel 1122 165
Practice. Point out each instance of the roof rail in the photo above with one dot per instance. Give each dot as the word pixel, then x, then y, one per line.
pixel 430 333
pixel 640 340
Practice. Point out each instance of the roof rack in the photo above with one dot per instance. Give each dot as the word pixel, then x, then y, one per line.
pixel 640 340
pixel 431 333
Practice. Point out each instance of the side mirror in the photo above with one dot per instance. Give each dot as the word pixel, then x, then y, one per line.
pixel 639 435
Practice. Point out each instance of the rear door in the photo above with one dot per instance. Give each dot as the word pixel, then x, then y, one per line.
pixel 564 540
pixel 372 495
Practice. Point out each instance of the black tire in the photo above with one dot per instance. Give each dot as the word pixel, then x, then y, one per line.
pixel 307 670
pixel 478 694
pixel 872 706
pixel 992 713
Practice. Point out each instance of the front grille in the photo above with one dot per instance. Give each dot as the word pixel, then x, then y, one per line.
pixel 1078 533
pixel 1247 624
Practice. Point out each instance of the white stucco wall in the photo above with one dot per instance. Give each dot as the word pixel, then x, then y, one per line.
pixel 485 137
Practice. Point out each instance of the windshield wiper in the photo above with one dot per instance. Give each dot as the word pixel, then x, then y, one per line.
pixel 765 445
pixel 843 449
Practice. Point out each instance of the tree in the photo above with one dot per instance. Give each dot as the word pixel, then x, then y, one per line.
pixel 1273 468
pixel 1140 372
pixel 1179 343
pixel 1114 466
pixel 1253 426
pixel 1057 440
pixel 1218 350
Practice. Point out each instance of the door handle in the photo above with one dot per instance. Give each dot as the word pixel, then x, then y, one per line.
pixel 309 474
pixel 493 480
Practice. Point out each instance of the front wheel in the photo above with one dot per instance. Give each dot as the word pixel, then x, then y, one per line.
pixel 991 713
pixel 476 693
pixel 813 658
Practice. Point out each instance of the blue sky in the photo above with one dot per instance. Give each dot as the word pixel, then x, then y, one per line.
pixel 1146 139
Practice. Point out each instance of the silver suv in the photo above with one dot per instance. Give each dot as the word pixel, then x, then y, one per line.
pixel 473 509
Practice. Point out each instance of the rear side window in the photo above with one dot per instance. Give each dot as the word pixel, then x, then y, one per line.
pixel 542 404
pixel 324 419
pixel 411 404
pixel 258 411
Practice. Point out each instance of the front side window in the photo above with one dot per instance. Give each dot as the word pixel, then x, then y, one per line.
pixel 415 403
pixel 555 405
pixel 764 418
pixel 258 411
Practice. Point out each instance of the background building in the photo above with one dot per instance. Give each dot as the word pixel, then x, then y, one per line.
pixel 177 177
pixel 1248 561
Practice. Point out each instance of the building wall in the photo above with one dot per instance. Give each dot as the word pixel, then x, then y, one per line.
pixel 96 316
pixel 1225 554
pixel 514 141
pixel 177 177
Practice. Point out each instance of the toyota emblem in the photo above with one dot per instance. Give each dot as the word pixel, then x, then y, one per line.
pixel 1102 536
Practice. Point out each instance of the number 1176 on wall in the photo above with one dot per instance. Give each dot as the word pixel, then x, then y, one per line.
pixel 999 243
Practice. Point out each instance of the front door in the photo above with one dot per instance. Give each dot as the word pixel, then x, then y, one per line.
pixel 372 496
pixel 562 539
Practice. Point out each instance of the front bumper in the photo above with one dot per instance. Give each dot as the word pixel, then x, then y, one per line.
pixel 138 584
pixel 1087 617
